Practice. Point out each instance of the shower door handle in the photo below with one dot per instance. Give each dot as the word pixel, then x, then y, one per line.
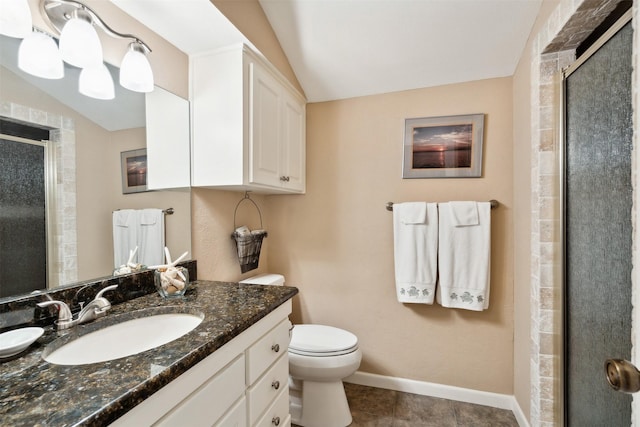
pixel 622 375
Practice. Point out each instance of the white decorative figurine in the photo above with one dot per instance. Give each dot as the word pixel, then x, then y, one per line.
pixel 169 279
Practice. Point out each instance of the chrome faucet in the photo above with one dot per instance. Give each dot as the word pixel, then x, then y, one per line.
pixel 96 308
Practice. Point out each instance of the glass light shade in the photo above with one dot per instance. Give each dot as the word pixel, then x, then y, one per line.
pixel 96 82
pixel 79 43
pixel 135 70
pixel 15 18
pixel 39 56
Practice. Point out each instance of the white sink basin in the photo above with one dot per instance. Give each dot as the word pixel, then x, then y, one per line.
pixel 124 339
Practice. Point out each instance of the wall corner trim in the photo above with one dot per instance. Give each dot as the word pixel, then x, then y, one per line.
pixel 496 400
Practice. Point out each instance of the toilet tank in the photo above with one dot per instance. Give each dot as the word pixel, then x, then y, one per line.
pixel 265 279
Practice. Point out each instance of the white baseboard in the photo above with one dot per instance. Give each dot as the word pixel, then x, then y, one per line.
pixel 496 400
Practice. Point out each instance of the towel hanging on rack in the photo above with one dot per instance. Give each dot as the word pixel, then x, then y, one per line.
pixel 415 243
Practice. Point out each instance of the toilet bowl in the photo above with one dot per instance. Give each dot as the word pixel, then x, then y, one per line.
pixel 320 357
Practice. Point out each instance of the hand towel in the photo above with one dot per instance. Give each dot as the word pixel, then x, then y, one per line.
pixel 151 236
pixel 464 260
pixel 464 213
pixel 125 235
pixel 415 239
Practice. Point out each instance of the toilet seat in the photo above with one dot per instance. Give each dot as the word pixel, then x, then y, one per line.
pixel 321 341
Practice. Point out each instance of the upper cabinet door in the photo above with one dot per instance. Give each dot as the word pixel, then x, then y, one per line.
pixel 265 99
pixel 277 133
pixel 168 159
pixel 293 152
pixel 248 124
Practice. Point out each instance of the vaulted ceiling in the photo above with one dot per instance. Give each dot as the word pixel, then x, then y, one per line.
pixel 347 48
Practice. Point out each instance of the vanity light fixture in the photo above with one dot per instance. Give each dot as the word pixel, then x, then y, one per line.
pixel 15 18
pixel 79 42
pixel 79 46
pixel 135 70
pixel 38 55
pixel 96 82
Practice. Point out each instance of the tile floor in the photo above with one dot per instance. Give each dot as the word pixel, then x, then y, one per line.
pixel 376 407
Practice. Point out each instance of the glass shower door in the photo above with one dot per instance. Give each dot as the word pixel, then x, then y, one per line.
pixel 23 233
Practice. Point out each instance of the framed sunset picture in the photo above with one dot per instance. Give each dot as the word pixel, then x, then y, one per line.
pixel 443 147
pixel 133 164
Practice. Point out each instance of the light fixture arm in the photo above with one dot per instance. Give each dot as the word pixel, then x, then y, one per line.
pixel 58 12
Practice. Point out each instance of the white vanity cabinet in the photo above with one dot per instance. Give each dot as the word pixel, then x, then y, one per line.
pixel 248 124
pixel 245 383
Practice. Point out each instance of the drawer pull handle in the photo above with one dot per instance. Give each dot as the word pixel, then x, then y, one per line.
pixel 275 384
pixel 275 347
pixel 275 421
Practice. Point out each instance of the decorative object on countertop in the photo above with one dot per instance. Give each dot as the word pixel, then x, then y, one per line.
pixel 17 340
pixel 130 266
pixel 171 281
pixel 248 242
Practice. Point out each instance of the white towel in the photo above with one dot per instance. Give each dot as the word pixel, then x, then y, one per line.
pixel 125 235
pixel 150 237
pixel 415 238
pixel 464 213
pixel 464 259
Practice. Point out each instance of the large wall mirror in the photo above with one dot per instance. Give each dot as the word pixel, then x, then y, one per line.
pixel 82 174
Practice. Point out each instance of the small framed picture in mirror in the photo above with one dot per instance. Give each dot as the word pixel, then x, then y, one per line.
pixel 134 171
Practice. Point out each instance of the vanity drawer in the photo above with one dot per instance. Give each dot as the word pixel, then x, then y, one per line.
pixel 278 414
pixel 266 350
pixel 267 388
pixel 209 402
pixel 236 417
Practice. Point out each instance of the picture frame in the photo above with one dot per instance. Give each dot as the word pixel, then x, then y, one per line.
pixel 443 147
pixel 133 164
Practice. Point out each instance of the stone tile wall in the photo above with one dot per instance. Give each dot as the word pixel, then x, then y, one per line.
pixel 554 49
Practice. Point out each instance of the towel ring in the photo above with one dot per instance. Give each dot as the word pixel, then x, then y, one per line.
pixel 246 197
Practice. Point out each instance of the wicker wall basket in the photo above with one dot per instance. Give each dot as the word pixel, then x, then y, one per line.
pixel 248 243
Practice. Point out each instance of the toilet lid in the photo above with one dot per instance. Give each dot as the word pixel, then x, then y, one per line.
pixel 320 340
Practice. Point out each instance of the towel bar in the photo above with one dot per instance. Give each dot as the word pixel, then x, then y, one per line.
pixel 494 204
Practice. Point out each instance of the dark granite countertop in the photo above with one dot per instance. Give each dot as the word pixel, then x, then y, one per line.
pixel 36 393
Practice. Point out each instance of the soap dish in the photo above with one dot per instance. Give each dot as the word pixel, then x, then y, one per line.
pixel 13 342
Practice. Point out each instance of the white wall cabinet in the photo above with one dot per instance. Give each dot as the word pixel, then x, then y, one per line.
pixel 248 124
pixel 168 140
pixel 243 383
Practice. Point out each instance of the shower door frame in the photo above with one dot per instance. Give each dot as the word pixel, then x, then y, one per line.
pixel 560 105
pixel 50 200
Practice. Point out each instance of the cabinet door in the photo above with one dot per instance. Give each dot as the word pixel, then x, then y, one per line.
pixel 292 161
pixel 264 134
pixel 168 158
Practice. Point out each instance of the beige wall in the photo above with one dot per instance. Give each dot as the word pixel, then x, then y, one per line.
pixel 335 243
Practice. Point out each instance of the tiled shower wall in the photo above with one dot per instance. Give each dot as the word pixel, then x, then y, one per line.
pixel 62 193
pixel 554 47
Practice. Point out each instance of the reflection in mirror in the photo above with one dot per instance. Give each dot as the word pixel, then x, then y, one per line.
pixel 81 171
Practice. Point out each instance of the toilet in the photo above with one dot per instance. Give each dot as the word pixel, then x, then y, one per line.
pixel 320 357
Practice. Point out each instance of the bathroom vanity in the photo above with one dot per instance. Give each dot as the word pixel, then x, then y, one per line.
pixel 232 369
